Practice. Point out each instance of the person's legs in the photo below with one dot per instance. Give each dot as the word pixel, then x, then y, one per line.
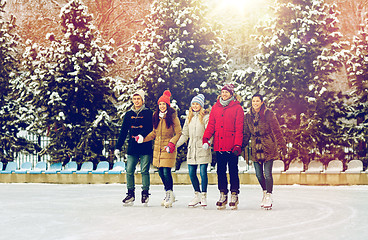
pixel 162 176
pixel 204 177
pixel 193 177
pixel 221 172
pixel 166 177
pixel 145 165
pixel 259 174
pixel 234 173
pixel 132 161
pixel 268 175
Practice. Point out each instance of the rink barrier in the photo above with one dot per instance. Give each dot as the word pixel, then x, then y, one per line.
pixel 183 178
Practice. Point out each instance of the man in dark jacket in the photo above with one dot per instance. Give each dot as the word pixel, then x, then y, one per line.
pixel 137 124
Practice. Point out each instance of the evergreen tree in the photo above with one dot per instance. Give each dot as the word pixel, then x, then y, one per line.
pixel 300 51
pixel 357 67
pixel 10 119
pixel 178 50
pixel 69 89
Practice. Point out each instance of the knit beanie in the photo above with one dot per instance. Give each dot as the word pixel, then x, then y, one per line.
pixel 229 87
pixel 141 93
pixel 165 97
pixel 198 99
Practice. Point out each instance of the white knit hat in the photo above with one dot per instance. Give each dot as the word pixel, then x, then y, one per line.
pixel 141 93
pixel 198 99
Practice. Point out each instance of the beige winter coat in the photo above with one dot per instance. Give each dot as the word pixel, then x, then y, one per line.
pixel 193 131
pixel 162 136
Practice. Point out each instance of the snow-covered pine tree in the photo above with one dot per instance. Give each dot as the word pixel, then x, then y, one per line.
pixel 70 88
pixel 10 120
pixel 299 52
pixel 178 50
pixel 357 67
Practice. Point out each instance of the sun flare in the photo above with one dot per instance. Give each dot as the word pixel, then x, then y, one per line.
pixel 238 6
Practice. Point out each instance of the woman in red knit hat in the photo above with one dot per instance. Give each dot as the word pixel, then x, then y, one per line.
pixel 166 132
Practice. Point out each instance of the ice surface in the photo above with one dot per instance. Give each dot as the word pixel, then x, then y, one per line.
pixel 45 211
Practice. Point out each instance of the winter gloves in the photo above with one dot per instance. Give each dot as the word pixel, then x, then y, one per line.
pixel 139 138
pixel 206 144
pixel 236 150
pixel 170 148
pixel 117 153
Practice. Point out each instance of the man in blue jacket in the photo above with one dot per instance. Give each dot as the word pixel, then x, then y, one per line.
pixel 136 125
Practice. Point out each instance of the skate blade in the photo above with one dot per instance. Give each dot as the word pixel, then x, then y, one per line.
pixel 221 207
pixel 234 208
pixel 193 206
pixel 267 208
pixel 128 204
pixel 145 204
pixel 168 206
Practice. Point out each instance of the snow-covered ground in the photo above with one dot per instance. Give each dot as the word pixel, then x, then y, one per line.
pixel 43 211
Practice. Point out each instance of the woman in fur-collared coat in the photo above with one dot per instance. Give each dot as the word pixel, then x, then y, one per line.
pixel 166 132
pixel 263 129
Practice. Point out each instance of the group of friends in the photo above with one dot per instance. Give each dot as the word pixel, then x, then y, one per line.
pixel 226 129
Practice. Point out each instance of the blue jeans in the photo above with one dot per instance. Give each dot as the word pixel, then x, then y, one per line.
pixel 132 162
pixel 194 179
pixel 166 177
pixel 264 175
pixel 225 159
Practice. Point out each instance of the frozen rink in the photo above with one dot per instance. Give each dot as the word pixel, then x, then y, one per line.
pixel 45 211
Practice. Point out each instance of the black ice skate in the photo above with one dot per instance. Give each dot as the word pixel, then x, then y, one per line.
pixel 221 203
pixel 234 201
pixel 145 198
pixel 129 199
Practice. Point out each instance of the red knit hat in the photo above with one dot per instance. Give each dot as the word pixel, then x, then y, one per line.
pixel 165 97
pixel 229 88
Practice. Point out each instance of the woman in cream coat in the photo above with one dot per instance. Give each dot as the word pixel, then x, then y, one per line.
pixel 193 129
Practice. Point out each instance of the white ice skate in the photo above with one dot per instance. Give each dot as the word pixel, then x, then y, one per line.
pixel 268 202
pixel 204 199
pixel 170 199
pixel 263 198
pixel 196 200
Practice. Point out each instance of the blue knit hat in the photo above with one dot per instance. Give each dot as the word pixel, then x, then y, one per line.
pixel 198 99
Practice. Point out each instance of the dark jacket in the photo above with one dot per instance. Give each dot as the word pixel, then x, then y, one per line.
pixel 270 133
pixel 133 125
pixel 226 126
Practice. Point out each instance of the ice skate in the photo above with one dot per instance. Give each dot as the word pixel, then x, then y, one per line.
pixel 196 200
pixel 221 203
pixel 268 202
pixel 129 199
pixel 145 198
pixel 234 201
pixel 164 200
pixel 170 199
pixel 263 198
pixel 204 199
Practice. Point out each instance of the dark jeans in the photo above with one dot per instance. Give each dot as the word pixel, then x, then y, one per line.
pixel 264 175
pixel 194 179
pixel 225 159
pixel 132 162
pixel 166 177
